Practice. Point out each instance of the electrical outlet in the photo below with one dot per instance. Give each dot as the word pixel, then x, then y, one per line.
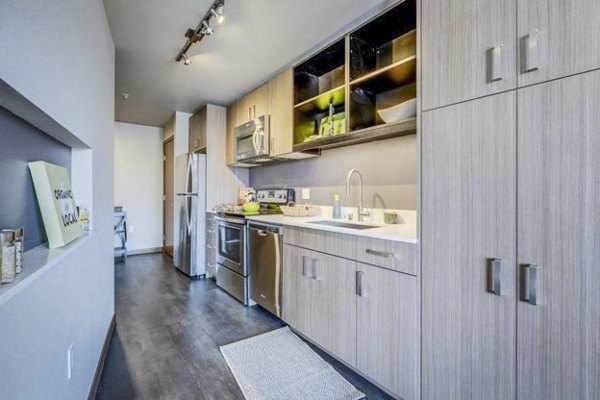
pixel 70 361
pixel 305 194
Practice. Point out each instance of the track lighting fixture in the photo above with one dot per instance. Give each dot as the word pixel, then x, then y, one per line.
pixel 203 29
pixel 206 30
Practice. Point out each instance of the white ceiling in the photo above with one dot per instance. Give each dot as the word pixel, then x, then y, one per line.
pixel 258 39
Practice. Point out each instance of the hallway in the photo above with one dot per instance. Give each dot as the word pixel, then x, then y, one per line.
pixel 168 333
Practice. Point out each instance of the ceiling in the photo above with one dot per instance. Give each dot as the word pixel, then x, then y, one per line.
pixel 258 39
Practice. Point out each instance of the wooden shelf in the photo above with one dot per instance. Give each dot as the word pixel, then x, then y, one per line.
pixel 397 74
pixel 320 103
pixel 384 131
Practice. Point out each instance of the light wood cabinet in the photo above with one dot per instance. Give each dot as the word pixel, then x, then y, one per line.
pixel 469 209
pixel 319 291
pixel 458 38
pixel 211 245
pixel 281 93
pixel 197 131
pixel 558 355
pixel 558 38
pixel 387 329
pixel 232 122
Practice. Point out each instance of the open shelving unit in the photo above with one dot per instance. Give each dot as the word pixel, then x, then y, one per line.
pixel 370 69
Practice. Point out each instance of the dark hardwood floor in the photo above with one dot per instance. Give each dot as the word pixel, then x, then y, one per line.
pixel 168 333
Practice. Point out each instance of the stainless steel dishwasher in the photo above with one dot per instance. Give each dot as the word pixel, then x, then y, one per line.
pixel 264 259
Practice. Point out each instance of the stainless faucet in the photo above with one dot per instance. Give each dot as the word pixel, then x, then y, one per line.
pixel 361 212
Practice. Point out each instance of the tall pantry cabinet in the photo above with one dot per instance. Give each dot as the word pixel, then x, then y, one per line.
pixel 510 205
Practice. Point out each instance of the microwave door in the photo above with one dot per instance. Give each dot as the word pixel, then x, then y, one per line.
pixel 245 146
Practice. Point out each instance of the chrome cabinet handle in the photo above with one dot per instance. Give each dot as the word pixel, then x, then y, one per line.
pixel 529 283
pixel 380 253
pixel 494 276
pixel 530 52
pixel 249 113
pixel 306 271
pixel 495 66
pixel 316 267
pixel 254 111
pixel 261 233
pixel 360 288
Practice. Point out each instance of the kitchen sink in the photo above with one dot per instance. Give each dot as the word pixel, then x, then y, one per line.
pixel 348 225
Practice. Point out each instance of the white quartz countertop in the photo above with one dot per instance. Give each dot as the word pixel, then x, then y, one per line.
pixel 397 232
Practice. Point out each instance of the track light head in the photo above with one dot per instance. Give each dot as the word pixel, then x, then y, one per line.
pixel 218 13
pixel 207 30
pixel 186 60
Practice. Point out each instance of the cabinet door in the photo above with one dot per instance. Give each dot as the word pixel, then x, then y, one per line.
pixel 468 217
pixel 387 329
pixel 291 281
pixel 197 129
pixel 281 90
pixel 557 38
pixel 559 231
pixel 261 101
pixel 232 122
pixel 458 38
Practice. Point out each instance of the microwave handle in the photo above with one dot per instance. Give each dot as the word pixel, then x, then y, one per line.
pixel 255 141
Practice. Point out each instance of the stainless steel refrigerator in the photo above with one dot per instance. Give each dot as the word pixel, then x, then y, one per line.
pixel 190 250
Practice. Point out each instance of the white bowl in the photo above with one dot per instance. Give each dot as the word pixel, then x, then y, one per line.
pixel 399 112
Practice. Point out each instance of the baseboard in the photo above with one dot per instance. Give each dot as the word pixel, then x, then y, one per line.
pixel 145 251
pixel 100 366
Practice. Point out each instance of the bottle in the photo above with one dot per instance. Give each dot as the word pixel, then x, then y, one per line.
pixel 84 219
pixel 18 242
pixel 337 207
pixel 7 256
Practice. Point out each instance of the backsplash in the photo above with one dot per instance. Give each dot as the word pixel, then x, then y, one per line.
pixel 388 168
pixel 21 142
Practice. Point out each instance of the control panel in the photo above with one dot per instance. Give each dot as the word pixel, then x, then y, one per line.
pixel 275 196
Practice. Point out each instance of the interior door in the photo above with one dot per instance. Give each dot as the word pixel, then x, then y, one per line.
pixel 468 218
pixel 169 196
pixel 559 231
pixel 387 331
pixel 558 38
pixel 458 58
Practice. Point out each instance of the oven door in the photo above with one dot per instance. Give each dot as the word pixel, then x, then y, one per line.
pixel 231 246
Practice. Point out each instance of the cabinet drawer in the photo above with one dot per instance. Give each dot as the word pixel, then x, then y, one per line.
pixel 326 242
pixel 211 238
pixel 398 256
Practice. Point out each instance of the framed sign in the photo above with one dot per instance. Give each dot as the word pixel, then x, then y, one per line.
pixel 56 201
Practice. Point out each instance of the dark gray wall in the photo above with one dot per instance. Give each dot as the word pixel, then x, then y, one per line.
pixel 388 167
pixel 20 143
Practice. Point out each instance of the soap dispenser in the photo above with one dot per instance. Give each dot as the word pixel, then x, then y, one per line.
pixel 337 208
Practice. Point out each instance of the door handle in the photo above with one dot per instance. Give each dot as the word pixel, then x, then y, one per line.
pixel 360 289
pixel 316 267
pixel 530 52
pixel 494 276
pixel 306 271
pixel 495 63
pixel 529 284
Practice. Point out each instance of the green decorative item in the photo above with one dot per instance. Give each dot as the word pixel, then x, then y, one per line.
pixel 251 207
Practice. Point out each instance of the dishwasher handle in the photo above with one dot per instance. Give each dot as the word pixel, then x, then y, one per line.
pixel 264 229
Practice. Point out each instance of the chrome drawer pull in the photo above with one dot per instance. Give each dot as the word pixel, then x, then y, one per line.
pixel 530 52
pixel 494 276
pixel 529 283
pixel 316 266
pixel 306 271
pixel 495 66
pixel 380 253
pixel 360 276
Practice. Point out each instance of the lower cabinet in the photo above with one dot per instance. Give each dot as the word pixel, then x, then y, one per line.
pixel 387 329
pixel 365 315
pixel 320 299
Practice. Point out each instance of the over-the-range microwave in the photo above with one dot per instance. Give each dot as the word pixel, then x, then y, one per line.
pixel 252 140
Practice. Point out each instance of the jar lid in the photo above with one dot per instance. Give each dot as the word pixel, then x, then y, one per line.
pixel 7 236
pixel 17 231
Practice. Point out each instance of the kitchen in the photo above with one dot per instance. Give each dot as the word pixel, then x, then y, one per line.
pixel 397 199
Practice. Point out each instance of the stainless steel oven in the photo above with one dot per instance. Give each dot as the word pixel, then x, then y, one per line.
pixel 232 270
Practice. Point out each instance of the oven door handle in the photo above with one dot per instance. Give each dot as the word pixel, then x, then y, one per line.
pixel 235 222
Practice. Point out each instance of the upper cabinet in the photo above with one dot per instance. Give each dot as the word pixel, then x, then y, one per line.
pixel 282 119
pixel 197 131
pixel 468 49
pixel 557 38
pixel 362 87
pixel 474 48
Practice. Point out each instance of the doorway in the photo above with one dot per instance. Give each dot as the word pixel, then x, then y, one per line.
pixel 168 196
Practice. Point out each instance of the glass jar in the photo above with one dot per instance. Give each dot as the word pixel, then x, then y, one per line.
pixel 7 256
pixel 19 233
